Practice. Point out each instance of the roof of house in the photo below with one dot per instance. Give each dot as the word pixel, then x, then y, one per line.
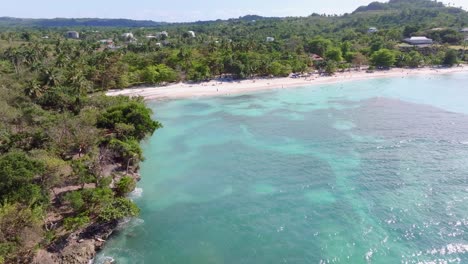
pixel 419 38
pixel 464 30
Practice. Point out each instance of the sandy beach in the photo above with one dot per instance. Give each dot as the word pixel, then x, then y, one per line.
pixel 220 88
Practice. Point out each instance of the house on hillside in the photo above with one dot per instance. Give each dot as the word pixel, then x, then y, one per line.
pixel 73 35
pixel 417 41
pixel 106 41
pixel 191 34
pixel 270 39
pixel 372 30
pixel 128 37
pixel 163 35
pixel 464 31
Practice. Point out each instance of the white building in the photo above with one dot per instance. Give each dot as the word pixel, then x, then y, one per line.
pixel 191 34
pixel 128 36
pixel 73 35
pixel 162 34
pixel 270 39
pixel 106 41
pixel 372 30
pixel 419 41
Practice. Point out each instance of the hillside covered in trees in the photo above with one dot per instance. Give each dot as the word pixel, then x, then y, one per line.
pixel 75 22
pixel 69 154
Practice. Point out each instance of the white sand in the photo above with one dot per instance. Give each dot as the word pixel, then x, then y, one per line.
pixel 217 88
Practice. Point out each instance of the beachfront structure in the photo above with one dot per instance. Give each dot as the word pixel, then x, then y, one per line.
pixel 191 34
pixel 73 35
pixel 419 41
pixel 372 30
pixel 270 39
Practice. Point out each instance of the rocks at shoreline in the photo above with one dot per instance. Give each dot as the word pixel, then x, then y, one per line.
pixel 78 248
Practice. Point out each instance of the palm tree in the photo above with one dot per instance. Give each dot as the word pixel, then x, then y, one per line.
pixel 15 56
pixel 34 90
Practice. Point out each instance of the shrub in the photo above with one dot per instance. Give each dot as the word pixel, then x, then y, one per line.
pixel 125 185
pixel 118 209
pixel 75 223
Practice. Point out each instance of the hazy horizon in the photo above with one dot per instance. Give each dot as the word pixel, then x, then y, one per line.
pixel 181 11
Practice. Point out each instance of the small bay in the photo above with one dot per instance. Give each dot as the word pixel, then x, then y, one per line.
pixel 371 171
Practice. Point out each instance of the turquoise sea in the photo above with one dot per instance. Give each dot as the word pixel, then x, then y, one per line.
pixel 372 171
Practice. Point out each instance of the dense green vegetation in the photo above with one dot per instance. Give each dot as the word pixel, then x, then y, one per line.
pixel 63 150
pixel 238 47
pixel 67 152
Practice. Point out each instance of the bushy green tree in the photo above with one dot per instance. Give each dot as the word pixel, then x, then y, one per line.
pixel 318 46
pixel 133 113
pixel 278 69
pixel 334 54
pixel 118 209
pixel 383 58
pixel 199 72
pixel 17 172
pixel 20 231
pixel 451 58
pixel 126 185
pixel 330 67
pixel 156 74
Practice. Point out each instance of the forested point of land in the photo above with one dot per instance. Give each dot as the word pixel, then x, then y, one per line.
pixel 69 154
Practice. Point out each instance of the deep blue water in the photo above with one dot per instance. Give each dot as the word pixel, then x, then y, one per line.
pixel 365 172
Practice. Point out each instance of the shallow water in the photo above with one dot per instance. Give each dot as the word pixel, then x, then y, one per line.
pixel 364 172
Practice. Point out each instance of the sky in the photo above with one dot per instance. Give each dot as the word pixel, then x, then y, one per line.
pixel 179 10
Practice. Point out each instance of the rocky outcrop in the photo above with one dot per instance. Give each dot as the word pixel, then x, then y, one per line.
pixel 78 248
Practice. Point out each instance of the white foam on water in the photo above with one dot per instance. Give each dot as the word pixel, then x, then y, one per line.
pixel 129 223
pixel 103 260
pixel 450 249
pixel 369 255
pixel 137 193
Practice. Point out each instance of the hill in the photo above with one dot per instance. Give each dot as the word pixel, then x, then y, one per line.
pixel 75 22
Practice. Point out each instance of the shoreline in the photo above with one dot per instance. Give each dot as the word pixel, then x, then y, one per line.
pixel 225 88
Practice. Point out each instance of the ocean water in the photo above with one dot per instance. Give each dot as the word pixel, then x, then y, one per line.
pixel 372 171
